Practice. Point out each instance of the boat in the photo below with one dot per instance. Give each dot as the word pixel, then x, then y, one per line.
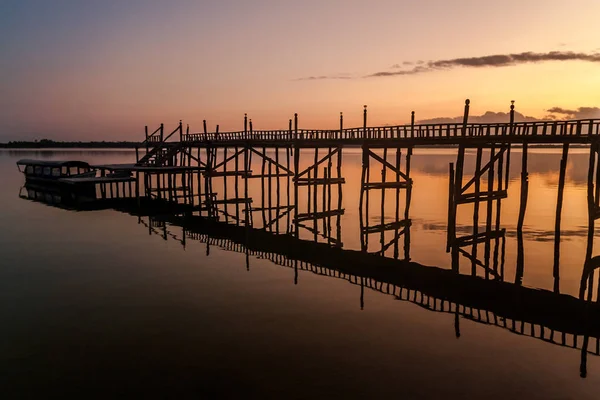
pixel 52 171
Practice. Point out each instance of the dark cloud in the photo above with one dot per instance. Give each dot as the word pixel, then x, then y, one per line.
pixel 497 60
pixel 579 113
pixel 487 117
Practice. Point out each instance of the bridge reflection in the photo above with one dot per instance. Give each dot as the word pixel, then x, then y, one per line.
pixel 481 294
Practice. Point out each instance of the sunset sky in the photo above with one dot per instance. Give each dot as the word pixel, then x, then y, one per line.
pixel 101 70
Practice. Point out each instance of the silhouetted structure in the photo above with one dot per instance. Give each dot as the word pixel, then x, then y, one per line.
pixel 202 183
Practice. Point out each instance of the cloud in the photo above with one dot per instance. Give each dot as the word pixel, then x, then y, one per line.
pixel 497 60
pixel 323 77
pixel 579 113
pixel 491 61
pixel 487 117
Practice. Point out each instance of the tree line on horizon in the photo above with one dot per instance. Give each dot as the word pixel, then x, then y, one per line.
pixel 47 143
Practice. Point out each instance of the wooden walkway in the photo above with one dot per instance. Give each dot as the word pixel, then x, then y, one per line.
pixel 549 131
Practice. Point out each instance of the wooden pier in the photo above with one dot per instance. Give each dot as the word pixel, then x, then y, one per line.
pixel 256 178
pixel 286 187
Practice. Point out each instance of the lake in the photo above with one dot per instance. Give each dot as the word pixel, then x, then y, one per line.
pixel 108 304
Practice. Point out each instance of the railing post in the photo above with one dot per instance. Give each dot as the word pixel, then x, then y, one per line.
pixel 466 117
pixel 365 121
pixel 137 154
pixel 412 124
pixel 217 132
pixel 296 125
pixel 290 130
pixel 146 139
pixel 180 131
pixel 341 125
pixel 512 117
pixel 187 132
pixel 250 127
pixel 205 131
pixel 245 126
pixel 162 128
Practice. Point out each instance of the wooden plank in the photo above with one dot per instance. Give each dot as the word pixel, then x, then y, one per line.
pixel 319 181
pixel 473 197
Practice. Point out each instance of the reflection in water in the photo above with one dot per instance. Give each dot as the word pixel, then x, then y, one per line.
pixel 412 268
pixel 482 295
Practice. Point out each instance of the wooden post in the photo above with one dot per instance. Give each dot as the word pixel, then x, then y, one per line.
pixel 270 191
pixel 524 187
pixel 296 172
pixel 162 130
pixel 465 119
pixel 457 186
pixel 512 117
pixel 204 126
pixel 383 178
pixel 137 187
pixel 522 209
pixel 368 178
pixel 170 186
pixel 412 124
pixel 277 189
pixel 341 125
pixel 476 210
pixel 315 194
pixel 591 219
pixel 490 205
pixel 339 175
pixel 559 202
pixel 409 183
pixel 288 185
pixel 365 136
pixel 236 186
pixel 397 203
pixel 247 202
pixel 365 161
pixel 296 132
pixel 451 218
pixel 262 184
pixel 245 126
pixel 225 204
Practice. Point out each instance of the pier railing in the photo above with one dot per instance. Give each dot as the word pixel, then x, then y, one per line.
pixel 581 127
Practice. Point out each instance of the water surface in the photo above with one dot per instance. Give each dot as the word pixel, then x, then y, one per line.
pixel 96 303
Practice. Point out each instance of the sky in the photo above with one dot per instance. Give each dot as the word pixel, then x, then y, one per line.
pixel 102 70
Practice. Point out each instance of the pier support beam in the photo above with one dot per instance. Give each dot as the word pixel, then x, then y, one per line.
pixel 494 180
pixel 400 225
pixel 318 184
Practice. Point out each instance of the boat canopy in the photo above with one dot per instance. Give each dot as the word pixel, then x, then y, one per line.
pixel 53 164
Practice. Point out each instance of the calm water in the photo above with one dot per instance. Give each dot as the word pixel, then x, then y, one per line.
pixel 94 303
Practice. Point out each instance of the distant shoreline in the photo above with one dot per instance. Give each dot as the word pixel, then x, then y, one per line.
pixel 51 144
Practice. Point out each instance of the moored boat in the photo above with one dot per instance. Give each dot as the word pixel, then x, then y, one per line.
pixel 52 171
